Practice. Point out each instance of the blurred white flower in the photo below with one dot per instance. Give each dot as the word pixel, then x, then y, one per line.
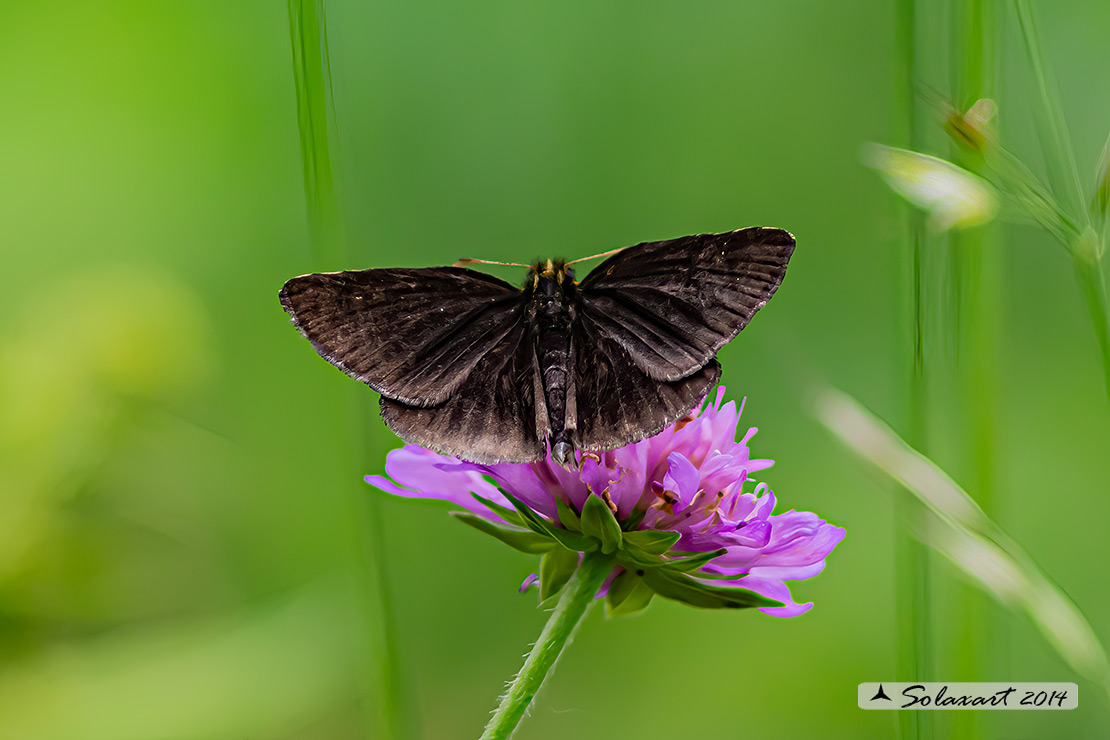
pixel 953 197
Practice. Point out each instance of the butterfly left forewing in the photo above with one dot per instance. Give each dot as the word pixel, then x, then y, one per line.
pixel 672 304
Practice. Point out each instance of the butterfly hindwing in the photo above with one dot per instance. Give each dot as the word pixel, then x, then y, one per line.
pixel 413 335
pixel 491 417
pixel 617 403
pixel 672 304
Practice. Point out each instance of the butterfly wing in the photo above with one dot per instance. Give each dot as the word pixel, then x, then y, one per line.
pixel 617 403
pixel 413 335
pixel 491 417
pixel 671 305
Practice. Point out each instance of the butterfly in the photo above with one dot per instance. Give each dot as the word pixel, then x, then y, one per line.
pixel 472 366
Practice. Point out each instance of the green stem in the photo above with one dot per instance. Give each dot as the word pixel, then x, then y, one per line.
pixel 1063 174
pixel 911 557
pixel 575 599
pixel 977 258
pixel 1088 268
pixel 913 563
pixel 1065 181
pixel 905 18
pixel 315 119
pixel 1034 201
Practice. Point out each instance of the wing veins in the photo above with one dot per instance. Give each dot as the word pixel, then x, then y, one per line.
pixel 425 358
pixel 664 331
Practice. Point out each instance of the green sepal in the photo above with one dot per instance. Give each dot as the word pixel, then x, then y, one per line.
pixel 529 518
pixel 556 568
pixel 633 520
pixel 539 525
pixel 721 576
pixel 598 522
pixel 681 587
pixel 634 557
pixel 517 538
pixel 692 562
pixel 645 548
pixel 567 517
pixel 574 540
pixel 504 512
pixel 652 541
pixel 628 594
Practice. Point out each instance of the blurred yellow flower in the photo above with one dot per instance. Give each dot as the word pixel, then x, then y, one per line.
pixel 85 352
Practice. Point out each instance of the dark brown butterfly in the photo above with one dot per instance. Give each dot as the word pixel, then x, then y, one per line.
pixel 472 366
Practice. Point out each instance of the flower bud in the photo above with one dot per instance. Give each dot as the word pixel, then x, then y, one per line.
pixel 972 130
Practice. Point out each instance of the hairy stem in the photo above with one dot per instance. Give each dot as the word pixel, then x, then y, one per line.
pixel 575 599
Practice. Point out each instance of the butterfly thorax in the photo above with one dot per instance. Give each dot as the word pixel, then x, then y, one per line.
pixel 553 296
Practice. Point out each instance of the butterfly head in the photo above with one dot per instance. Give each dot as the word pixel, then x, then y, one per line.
pixel 556 270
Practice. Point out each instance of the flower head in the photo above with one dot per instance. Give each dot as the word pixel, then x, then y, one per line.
pixel 680 513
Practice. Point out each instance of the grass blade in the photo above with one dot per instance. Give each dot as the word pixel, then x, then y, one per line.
pixel 312 78
pixel 958 528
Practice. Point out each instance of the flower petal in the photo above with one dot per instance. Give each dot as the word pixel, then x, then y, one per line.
pixel 755 534
pixel 420 473
pixel 682 478
pixel 800 538
pixel 778 591
pixel 525 483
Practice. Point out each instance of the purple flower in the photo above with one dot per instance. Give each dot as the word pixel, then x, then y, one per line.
pixel 680 513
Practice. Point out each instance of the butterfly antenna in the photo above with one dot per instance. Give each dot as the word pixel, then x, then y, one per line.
pixel 595 256
pixel 472 261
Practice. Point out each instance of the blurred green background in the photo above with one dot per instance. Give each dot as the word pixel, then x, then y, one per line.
pixel 183 526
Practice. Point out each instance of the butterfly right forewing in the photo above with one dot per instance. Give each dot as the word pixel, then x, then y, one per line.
pixel 672 304
pixel 413 335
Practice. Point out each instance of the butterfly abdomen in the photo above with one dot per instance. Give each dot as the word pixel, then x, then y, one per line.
pixel 552 336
